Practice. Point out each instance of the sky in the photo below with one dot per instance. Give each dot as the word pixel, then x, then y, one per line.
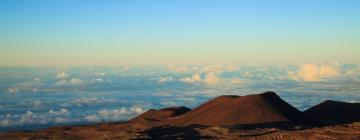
pixel 158 32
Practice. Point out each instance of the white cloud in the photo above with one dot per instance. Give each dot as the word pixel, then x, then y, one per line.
pixel 60 112
pixel 29 113
pixel 97 80
pixel 196 77
pixel 193 79
pixel 100 80
pixel 76 81
pixel 187 80
pixel 86 101
pixel 92 118
pixel 29 117
pixel 62 82
pixel 12 90
pixel 73 81
pixel 211 78
pixel 315 72
pixel 61 74
pixel 26 86
pixel 137 110
pixel 165 79
pixel 115 114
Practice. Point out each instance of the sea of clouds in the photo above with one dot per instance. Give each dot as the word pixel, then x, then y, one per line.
pixel 34 98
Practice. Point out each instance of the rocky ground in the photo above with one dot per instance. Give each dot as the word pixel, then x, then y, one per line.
pixel 124 131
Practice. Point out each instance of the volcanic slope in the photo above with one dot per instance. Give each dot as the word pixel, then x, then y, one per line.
pixel 251 109
pixel 335 112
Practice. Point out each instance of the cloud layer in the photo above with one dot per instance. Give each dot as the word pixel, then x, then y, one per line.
pixel 85 95
pixel 316 72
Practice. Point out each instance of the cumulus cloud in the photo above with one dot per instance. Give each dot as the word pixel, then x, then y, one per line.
pixel 97 80
pixel 88 101
pixel 76 81
pixel 165 79
pixel 100 80
pixel 315 72
pixel 12 90
pixel 25 86
pixel 137 110
pixel 30 117
pixel 92 118
pixel 61 74
pixel 193 79
pixel 196 77
pixel 60 112
pixel 73 81
pixel 115 114
pixel 211 78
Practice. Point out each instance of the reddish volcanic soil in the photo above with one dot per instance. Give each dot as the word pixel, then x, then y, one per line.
pixel 251 109
pixel 260 116
pixel 158 115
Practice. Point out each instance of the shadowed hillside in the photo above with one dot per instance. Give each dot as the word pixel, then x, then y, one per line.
pixel 334 112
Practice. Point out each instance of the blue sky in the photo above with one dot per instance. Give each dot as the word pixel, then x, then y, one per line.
pixel 111 33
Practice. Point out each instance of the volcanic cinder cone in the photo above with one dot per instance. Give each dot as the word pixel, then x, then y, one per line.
pixel 157 115
pixel 334 112
pixel 252 109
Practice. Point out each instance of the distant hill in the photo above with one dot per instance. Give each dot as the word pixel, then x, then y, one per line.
pixel 335 112
pixel 158 115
